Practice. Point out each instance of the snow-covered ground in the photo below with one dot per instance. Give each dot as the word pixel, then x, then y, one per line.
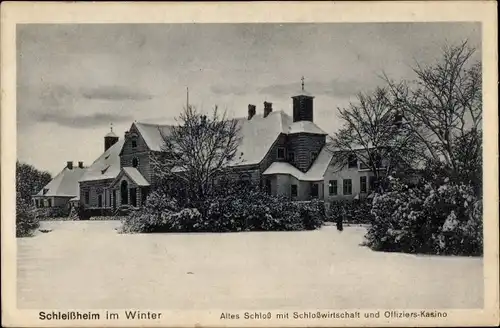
pixel 87 264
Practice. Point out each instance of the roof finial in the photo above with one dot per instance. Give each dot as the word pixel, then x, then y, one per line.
pixel 111 126
pixel 302 82
pixel 187 97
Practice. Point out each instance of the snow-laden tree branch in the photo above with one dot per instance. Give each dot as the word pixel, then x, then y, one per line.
pixel 197 151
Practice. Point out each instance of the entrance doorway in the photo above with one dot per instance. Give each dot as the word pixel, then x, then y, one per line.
pixel 124 192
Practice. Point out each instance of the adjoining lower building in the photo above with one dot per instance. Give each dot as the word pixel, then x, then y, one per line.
pixel 62 190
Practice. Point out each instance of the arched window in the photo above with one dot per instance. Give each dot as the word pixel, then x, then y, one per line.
pixel 124 192
pixel 245 180
pixel 135 162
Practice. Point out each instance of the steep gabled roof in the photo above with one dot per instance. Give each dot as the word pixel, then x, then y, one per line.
pixel 106 166
pixel 321 163
pixel 152 134
pixel 258 135
pixel 133 174
pixel 64 184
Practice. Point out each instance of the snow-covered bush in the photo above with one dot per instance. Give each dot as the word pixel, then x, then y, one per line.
pixel 251 210
pixel 445 219
pixel 26 219
pixel 153 217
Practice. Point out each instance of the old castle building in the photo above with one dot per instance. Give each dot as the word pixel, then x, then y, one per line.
pixel 286 155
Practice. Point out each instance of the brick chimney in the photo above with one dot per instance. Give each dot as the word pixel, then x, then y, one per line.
pixel 268 108
pixel 251 111
pixel 80 165
pixel 69 165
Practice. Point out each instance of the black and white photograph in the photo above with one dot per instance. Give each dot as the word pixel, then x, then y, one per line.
pixel 258 172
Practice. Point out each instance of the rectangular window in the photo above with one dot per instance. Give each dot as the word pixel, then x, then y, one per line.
pixel 314 190
pixel 133 196
pixel 362 184
pixel 87 197
pixel 99 201
pixel 332 187
pixel 347 187
pixel 134 143
pixel 352 161
pixel 281 153
pixel 291 157
pixel 372 182
pixel 293 190
pixel 37 202
pixel 49 202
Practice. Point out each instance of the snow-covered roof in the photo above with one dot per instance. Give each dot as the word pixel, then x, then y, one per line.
pixel 111 134
pixel 287 168
pixel 152 134
pixel 258 135
pixel 320 165
pixel 303 93
pixel 315 173
pixel 107 166
pixel 304 127
pixel 64 184
pixel 353 147
pixel 136 176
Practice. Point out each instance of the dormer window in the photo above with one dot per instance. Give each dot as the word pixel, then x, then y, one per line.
pixel 314 154
pixel 281 153
pixel 105 169
pixel 352 161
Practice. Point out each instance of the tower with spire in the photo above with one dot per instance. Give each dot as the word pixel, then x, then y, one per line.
pixel 110 138
pixel 303 105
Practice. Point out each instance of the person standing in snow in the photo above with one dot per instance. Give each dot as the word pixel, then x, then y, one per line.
pixel 339 219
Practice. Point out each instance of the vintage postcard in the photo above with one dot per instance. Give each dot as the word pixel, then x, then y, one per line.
pixel 305 164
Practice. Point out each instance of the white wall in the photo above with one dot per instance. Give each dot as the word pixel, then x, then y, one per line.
pixel 347 173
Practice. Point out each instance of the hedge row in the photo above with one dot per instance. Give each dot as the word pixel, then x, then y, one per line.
pixel 256 211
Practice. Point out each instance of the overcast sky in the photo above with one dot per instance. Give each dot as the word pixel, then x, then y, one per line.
pixel 74 80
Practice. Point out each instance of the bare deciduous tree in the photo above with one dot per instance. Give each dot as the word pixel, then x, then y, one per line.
pixel 197 151
pixel 374 134
pixel 443 106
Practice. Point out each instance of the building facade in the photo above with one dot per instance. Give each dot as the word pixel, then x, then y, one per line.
pixel 286 155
